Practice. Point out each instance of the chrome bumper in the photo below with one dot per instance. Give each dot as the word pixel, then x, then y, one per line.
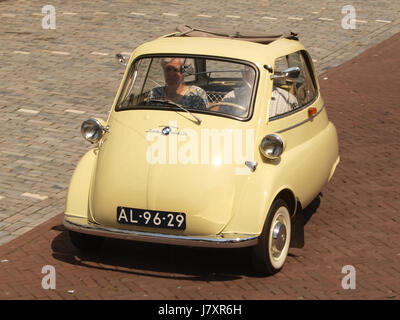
pixel 233 240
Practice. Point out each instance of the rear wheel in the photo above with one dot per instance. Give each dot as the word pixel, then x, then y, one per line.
pixel 85 242
pixel 269 255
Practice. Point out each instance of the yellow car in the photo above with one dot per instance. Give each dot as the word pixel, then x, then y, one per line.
pixel 214 139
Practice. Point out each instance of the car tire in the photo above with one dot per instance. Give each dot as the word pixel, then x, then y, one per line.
pixel 269 255
pixel 85 242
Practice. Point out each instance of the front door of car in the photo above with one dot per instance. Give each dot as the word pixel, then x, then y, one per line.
pixel 296 114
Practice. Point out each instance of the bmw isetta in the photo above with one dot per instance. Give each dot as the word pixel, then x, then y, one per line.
pixel 214 139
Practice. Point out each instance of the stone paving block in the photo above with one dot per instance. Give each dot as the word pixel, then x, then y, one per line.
pixel 53 76
pixel 54 94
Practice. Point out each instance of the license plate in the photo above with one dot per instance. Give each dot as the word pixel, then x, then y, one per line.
pixel 151 218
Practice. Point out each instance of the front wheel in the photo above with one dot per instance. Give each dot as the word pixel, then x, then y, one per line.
pixel 269 255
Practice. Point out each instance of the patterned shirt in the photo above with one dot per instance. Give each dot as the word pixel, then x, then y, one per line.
pixel 194 98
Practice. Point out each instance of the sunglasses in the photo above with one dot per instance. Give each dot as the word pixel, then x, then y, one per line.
pixel 170 69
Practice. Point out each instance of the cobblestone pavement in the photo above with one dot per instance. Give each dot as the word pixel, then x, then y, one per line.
pixel 52 80
pixel 356 222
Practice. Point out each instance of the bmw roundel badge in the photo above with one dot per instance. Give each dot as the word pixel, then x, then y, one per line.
pixel 165 131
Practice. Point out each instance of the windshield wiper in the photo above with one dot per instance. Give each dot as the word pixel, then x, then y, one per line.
pixel 176 105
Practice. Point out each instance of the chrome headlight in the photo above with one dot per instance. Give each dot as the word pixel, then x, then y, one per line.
pixel 272 146
pixel 92 130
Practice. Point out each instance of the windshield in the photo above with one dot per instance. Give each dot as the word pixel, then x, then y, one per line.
pixel 197 84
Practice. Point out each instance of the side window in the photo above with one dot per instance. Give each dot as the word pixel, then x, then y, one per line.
pixel 305 89
pixel 290 95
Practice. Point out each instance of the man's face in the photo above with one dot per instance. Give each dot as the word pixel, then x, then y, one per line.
pixel 172 73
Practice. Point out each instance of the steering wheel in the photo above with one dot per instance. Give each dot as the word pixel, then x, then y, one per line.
pixel 223 103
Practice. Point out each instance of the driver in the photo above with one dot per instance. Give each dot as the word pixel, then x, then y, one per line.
pixel 175 89
pixel 239 96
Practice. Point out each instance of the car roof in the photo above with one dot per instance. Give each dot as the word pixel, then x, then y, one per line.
pixel 223 46
pixel 188 31
pixel 218 47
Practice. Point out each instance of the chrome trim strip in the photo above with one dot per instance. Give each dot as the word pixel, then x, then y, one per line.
pixel 302 122
pixel 235 240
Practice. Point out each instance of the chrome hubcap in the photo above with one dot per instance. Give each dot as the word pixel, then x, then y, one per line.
pixel 278 238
